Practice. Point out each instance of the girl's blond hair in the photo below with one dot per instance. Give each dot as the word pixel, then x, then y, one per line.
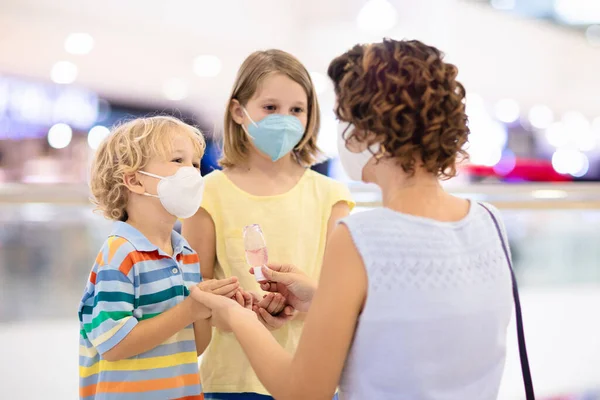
pixel 258 66
pixel 128 149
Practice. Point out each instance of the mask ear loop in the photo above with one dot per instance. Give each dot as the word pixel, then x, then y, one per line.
pixel 381 153
pixel 251 121
pixel 153 176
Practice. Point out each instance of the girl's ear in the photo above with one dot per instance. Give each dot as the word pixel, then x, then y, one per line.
pixel 237 114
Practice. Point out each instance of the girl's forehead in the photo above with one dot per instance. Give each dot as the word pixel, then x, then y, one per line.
pixel 279 87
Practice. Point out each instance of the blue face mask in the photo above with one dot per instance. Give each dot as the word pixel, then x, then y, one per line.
pixel 275 135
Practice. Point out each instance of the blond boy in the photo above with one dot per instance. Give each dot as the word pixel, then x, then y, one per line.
pixel 140 333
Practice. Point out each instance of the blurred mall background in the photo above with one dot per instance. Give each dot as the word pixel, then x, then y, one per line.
pixel 70 69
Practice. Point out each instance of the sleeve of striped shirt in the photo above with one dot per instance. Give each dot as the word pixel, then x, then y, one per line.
pixel 109 317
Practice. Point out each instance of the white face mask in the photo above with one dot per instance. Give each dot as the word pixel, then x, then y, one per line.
pixel 181 193
pixel 354 163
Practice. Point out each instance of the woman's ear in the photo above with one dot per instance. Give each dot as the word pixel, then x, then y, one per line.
pixel 237 113
pixel 133 183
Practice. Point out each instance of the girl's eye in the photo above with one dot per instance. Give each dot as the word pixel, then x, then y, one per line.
pixel 270 108
pixel 297 110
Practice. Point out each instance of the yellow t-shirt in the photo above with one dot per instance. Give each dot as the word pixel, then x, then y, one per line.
pixel 295 228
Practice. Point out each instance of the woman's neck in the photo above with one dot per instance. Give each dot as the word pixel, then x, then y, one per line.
pixel 406 193
pixel 421 195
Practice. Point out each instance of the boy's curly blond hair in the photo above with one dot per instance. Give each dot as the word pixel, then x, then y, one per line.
pixel 128 149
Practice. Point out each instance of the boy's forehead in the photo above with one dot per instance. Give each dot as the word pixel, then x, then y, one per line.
pixel 178 140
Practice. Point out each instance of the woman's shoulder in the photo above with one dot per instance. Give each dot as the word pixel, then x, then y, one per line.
pixel 365 220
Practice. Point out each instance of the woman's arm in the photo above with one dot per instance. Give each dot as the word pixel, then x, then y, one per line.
pixel 314 371
pixel 340 210
pixel 199 231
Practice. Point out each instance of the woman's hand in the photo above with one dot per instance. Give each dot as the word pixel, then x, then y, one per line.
pixel 224 310
pixel 291 282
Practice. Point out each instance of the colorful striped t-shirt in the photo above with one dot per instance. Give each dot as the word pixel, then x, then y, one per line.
pixel 133 280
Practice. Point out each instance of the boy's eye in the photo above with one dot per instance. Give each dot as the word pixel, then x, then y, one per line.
pixel 177 160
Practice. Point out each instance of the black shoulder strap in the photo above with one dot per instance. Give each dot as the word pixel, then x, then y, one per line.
pixel 529 393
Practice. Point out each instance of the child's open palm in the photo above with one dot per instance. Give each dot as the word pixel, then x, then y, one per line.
pixel 223 287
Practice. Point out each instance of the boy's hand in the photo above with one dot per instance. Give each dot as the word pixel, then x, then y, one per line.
pixel 274 322
pixel 224 287
pixel 243 298
pixel 272 310
pixel 273 303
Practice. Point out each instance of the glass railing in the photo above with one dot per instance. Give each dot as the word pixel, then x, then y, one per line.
pixel 49 236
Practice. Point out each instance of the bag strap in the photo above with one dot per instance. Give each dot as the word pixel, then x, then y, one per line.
pixel 529 393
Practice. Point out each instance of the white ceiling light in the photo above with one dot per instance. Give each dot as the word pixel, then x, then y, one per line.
pixel 556 135
pixel 577 12
pixel 322 84
pixel 579 130
pixel 64 72
pixel 596 125
pixel 507 110
pixel 540 116
pixel 592 34
pixel 96 135
pixel 504 5
pixel 475 105
pixel 485 156
pixel 376 16
pixel 571 162
pixel 207 66
pixel 596 130
pixel 175 89
pixel 487 138
pixel 60 135
pixel 79 43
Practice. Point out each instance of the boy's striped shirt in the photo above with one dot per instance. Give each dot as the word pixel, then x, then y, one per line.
pixel 132 280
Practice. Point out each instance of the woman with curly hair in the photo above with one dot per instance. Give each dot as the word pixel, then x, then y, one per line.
pixel 414 298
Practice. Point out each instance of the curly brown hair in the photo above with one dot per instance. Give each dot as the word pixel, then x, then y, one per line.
pixel 403 95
